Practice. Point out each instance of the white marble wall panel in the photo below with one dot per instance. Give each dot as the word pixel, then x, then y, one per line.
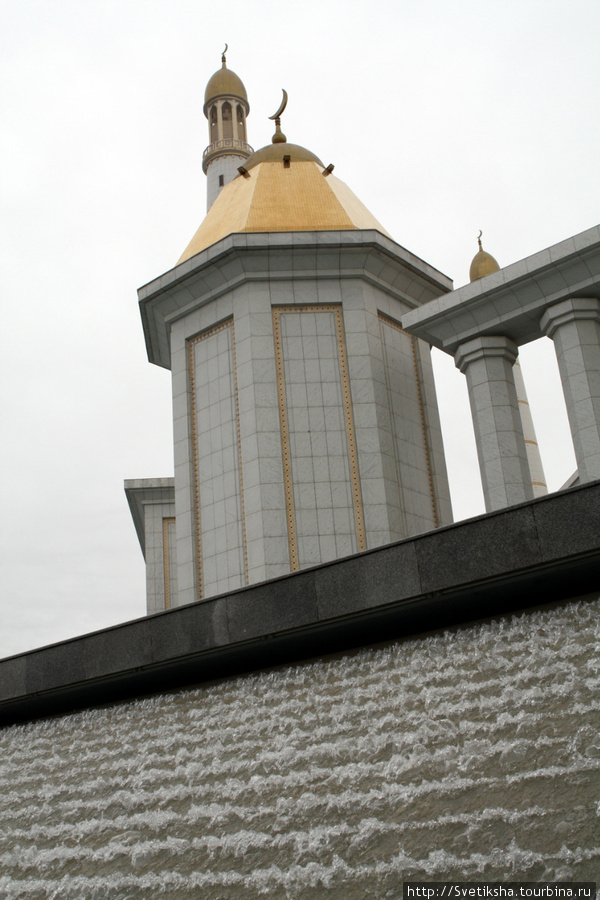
pixel 433 430
pixel 157 555
pixel 264 495
pixel 319 455
pixel 170 561
pixel 218 483
pixel 377 380
pixel 414 470
pixel 324 407
pixel 195 322
pixel 223 168
pixel 379 484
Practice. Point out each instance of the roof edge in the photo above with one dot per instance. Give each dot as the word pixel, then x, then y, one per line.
pixel 548 544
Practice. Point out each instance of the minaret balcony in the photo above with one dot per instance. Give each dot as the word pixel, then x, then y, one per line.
pixel 226 146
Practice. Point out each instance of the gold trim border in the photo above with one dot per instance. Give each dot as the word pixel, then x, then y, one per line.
pixel 167 520
pixel 238 435
pixel 210 332
pixel 277 311
pixel 290 510
pixel 359 522
pixel 386 320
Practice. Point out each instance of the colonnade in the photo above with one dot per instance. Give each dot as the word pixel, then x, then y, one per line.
pixel 487 361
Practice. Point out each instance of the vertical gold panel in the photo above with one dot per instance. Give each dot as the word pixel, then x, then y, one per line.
pixel 239 453
pixel 285 442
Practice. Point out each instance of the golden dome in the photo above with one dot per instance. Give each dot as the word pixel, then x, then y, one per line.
pixel 483 263
pixel 275 195
pixel 276 153
pixel 225 83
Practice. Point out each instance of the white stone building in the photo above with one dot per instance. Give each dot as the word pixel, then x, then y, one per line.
pixel 305 419
pixel 318 726
pixel 298 332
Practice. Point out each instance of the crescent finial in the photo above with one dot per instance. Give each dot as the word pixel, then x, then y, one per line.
pixel 223 53
pixel 479 238
pixel 282 107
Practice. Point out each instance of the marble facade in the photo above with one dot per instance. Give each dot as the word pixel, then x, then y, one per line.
pixel 305 420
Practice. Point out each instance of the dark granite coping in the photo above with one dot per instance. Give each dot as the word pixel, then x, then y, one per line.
pixel 538 552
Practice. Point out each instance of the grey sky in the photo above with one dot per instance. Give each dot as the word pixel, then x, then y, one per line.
pixel 442 117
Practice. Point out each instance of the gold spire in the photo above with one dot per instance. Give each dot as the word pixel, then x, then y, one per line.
pixel 279 137
pixel 483 263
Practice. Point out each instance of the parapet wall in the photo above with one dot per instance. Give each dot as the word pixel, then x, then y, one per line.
pixel 471 753
pixel 548 548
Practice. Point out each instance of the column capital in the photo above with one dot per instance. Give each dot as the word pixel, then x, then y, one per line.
pixel 571 310
pixel 485 347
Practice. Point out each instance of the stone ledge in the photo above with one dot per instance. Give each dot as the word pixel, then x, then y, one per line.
pixel 538 552
pixel 268 257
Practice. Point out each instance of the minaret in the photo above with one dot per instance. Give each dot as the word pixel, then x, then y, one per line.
pixel 226 107
pixel 484 264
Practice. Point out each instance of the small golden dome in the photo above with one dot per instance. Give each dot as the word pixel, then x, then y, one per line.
pixel 483 263
pixel 276 153
pixel 225 83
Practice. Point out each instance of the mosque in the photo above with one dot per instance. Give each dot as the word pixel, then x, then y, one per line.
pixel 336 687
pixel 305 418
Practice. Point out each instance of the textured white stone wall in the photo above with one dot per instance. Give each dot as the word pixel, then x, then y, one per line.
pixel 225 166
pixel 472 754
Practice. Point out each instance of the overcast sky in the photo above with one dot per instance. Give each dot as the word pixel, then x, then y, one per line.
pixel 443 117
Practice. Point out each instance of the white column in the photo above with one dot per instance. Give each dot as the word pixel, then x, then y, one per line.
pixel 487 363
pixel 574 326
pixel 219 120
pixel 234 121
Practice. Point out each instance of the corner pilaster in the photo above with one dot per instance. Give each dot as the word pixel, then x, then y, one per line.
pixel 574 326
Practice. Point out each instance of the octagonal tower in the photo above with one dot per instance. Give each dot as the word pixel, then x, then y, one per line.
pixel 305 419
